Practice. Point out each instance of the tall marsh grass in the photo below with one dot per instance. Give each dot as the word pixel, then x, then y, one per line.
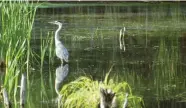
pixel 46 54
pixel 16 24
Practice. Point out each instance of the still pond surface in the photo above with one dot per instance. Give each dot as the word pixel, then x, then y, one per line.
pixel 153 62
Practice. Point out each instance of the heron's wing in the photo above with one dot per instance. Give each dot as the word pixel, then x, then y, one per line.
pixel 65 54
pixel 62 52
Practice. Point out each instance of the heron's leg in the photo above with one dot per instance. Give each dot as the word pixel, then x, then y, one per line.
pixel 61 62
pixel 59 100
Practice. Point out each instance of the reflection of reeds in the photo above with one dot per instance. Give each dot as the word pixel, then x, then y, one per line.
pixel 43 52
pixel 122 39
pixel 166 68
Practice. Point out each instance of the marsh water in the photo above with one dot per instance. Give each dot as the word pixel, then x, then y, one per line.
pixel 153 63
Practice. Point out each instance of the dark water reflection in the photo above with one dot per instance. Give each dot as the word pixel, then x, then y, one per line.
pixel 154 60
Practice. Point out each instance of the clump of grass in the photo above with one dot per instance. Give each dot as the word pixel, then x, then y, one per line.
pixel 84 93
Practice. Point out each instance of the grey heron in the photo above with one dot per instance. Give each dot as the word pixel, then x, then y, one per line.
pixel 61 51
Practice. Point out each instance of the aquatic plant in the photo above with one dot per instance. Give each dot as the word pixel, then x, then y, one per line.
pixel 166 67
pixel 45 51
pixel 84 93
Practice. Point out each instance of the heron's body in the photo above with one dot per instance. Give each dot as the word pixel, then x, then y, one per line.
pixel 61 51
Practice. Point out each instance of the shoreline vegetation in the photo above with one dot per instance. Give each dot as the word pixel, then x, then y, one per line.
pixel 16 19
pixel 60 4
pixel 84 93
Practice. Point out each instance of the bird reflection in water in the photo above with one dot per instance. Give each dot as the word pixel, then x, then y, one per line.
pixel 61 74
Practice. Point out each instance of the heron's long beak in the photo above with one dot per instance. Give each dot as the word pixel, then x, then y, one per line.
pixel 52 22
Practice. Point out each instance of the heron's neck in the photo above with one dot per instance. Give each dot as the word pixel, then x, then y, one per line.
pixel 57 34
